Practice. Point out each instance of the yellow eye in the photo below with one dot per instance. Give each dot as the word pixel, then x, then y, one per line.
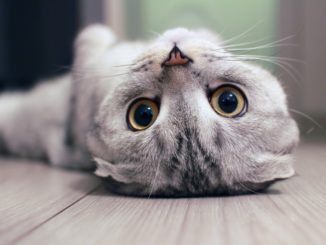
pixel 228 101
pixel 142 114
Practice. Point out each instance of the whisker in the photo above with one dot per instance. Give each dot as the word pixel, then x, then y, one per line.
pixel 247 188
pixel 270 44
pixel 242 48
pixel 115 75
pixel 294 74
pixel 272 57
pixel 261 47
pixel 309 118
pixel 126 65
pixel 92 71
pixel 244 186
pixel 242 34
pixel 310 130
pixel 155 33
pixel 83 78
pixel 282 63
pixel 245 43
pixel 154 180
pixel 252 50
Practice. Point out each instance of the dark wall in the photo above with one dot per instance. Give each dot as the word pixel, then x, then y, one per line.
pixel 36 39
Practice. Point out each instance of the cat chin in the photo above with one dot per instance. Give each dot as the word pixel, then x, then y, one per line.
pixel 271 169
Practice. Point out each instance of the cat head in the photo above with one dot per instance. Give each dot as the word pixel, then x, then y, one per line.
pixel 186 117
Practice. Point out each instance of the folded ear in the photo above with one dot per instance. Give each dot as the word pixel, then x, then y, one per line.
pixel 102 167
pixel 119 172
pixel 92 42
pixel 270 167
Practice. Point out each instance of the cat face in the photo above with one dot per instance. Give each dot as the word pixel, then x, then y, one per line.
pixel 189 118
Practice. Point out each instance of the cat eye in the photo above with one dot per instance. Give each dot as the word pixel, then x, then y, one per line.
pixel 142 113
pixel 228 101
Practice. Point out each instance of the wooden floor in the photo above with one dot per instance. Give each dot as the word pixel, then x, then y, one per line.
pixel 43 205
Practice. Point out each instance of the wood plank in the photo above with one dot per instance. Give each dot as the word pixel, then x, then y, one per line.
pixel 292 212
pixel 32 193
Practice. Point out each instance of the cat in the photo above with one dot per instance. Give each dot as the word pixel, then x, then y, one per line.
pixel 176 116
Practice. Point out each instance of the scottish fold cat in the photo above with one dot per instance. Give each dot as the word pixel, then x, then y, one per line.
pixel 176 116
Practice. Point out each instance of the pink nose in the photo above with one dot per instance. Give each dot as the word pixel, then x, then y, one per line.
pixel 176 57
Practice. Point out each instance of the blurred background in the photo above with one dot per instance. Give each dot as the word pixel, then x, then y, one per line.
pixel 288 37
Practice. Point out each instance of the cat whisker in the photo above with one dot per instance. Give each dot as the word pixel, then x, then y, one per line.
pixel 126 65
pixel 242 34
pixel 282 64
pixel 270 44
pixel 278 43
pixel 155 33
pixel 115 75
pixel 152 185
pixel 244 186
pixel 252 57
pixel 240 47
pixel 272 58
pixel 91 71
pixel 247 188
pixel 143 58
pixel 309 118
pixel 294 74
pixel 259 47
pixel 310 130
pixel 244 43
pixel 82 78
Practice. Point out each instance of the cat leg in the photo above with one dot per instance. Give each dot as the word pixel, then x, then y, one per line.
pixel 9 105
pixel 2 145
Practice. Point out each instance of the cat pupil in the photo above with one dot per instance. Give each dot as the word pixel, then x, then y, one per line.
pixel 228 102
pixel 143 115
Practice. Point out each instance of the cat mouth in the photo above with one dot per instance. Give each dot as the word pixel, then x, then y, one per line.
pixel 176 57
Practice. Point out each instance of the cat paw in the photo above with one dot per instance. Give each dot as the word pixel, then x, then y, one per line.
pixel 93 40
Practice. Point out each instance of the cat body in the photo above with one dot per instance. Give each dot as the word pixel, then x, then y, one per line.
pixel 190 148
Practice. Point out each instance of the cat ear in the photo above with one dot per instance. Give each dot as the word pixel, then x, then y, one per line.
pixel 270 167
pixel 92 42
pixel 100 151
pixel 102 169
pixel 118 172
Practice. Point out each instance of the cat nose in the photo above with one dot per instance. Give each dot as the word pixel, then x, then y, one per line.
pixel 176 57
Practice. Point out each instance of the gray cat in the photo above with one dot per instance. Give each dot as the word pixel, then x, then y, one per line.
pixel 178 116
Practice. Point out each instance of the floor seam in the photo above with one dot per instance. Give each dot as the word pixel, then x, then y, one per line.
pixel 25 234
